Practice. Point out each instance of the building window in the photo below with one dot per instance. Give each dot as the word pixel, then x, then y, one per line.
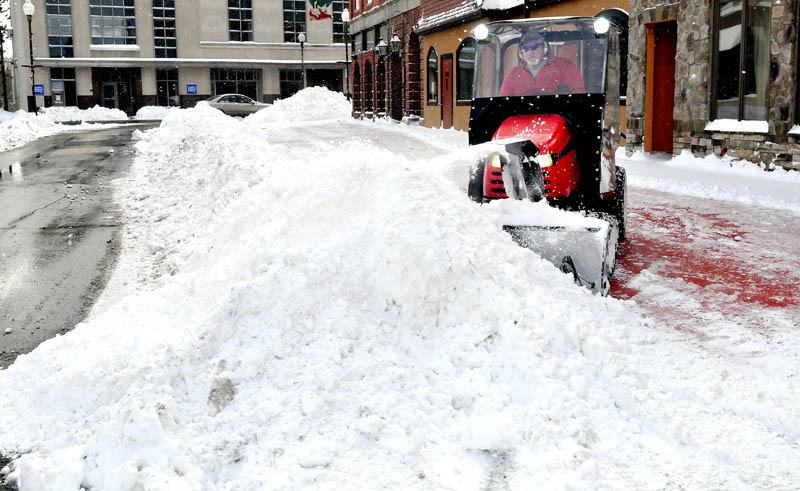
pixel 112 21
pixel 363 41
pixel 742 59
pixel 294 20
pixel 240 20
pixel 167 87
pixel 291 82
pixel 358 5
pixel 433 77
pixel 338 25
pixel 465 70
pixel 236 81
pixel 164 36
pixel 59 28
pixel 64 79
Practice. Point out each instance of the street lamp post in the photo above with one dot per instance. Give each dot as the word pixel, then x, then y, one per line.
pixel 302 38
pixel 3 66
pixel 396 45
pixel 345 22
pixel 28 9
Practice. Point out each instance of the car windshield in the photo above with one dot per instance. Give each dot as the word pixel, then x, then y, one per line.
pixel 541 57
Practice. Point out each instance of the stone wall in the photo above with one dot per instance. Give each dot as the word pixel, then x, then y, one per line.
pixel 693 84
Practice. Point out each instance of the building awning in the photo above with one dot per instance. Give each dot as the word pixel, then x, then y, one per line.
pixel 183 63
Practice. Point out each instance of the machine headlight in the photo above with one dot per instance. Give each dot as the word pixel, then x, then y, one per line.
pixel 494 160
pixel 481 32
pixel 544 160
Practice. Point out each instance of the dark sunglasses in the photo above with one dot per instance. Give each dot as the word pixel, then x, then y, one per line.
pixel 531 47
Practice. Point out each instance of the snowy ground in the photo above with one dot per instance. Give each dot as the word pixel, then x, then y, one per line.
pixel 303 302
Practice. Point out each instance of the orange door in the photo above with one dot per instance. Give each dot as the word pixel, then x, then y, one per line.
pixel 663 39
pixel 447 90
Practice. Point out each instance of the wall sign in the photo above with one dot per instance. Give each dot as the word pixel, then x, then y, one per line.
pixel 38 89
pixel 191 88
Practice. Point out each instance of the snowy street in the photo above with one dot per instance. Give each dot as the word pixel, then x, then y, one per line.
pixel 304 301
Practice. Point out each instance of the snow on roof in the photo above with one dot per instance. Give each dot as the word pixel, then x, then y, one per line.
pixel 452 15
pixel 501 4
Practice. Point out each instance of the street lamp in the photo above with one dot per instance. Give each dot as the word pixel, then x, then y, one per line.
pixel 302 38
pixel 345 22
pixel 28 9
pixel 382 48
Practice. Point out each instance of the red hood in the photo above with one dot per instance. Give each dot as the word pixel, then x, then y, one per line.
pixel 548 132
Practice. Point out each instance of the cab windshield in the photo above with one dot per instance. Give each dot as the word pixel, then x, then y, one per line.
pixel 541 57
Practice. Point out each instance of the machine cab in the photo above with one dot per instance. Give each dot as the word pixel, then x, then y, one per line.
pixel 555 82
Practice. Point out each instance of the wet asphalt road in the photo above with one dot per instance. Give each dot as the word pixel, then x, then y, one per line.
pixel 59 238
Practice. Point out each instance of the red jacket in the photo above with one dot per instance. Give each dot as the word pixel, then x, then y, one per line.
pixel 555 73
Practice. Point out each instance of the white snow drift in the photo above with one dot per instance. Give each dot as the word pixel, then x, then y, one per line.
pixel 339 316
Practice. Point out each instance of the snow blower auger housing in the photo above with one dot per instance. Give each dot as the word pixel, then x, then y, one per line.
pixel 547 91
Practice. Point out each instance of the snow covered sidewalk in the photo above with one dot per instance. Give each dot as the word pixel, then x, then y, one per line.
pixel 318 305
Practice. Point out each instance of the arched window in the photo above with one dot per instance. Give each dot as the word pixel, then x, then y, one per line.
pixel 433 77
pixel 465 70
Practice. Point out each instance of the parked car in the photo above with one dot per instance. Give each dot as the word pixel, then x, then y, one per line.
pixel 236 104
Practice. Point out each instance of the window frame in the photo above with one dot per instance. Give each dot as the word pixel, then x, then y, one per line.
pixel 104 18
pixel 290 35
pixel 459 100
pixel 432 56
pixel 59 15
pixel 743 48
pixel 285 85
pixel 169 78
pixel 170 43
pixel 338 26
pixel 69 78
pixel 244 10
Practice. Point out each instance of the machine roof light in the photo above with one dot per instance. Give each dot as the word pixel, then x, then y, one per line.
pixel 481 32
pixel 601 25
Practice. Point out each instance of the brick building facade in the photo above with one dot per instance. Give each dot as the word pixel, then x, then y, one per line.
pixel 385 70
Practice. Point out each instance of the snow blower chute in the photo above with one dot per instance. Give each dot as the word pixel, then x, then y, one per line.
pixel 546 95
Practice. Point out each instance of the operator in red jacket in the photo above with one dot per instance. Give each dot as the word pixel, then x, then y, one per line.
pixel 538 73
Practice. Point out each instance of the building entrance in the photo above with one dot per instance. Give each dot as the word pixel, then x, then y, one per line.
pixel 117 88
pixel 117 95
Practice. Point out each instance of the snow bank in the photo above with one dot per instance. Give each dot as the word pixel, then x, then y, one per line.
pixel 19 128
pixel 318 316
pixel 71 113
pixel 714 177
pixel 5 115
pixel 153 112
pixel 309 104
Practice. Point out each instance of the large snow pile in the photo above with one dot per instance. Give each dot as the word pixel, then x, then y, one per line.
pixel 309 104
pixel 152 112
pixel 22 127
pixel 297 312
pixel 71 113
pixel 320 316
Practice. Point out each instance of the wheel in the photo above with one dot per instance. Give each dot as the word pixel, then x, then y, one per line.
pixel 475 187
pixel 619 208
